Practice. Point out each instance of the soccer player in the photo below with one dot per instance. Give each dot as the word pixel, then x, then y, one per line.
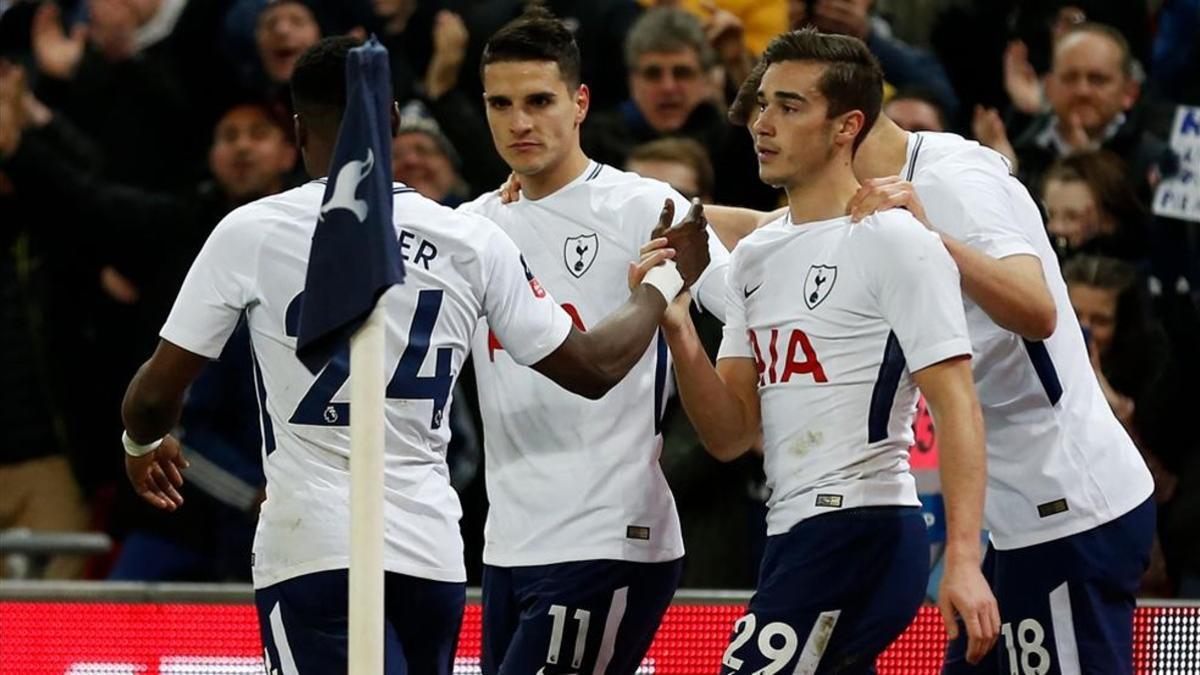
pixel 460 267
pixel 1068 502
pixel 828 328
pixel 582 544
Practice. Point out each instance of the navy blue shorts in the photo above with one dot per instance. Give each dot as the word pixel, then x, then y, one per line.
pixel 593 616
pixel 304 626
pixel 1066 606
pixel 833 593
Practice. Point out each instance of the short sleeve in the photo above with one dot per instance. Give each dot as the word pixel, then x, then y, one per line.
pixel 219 286
pixel 526 320
pixel 974 205
pixel 916 286
pixel 735 342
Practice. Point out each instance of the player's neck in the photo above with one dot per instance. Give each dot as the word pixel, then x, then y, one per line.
pixel 554 178
pixel 823 196
pixel 883 152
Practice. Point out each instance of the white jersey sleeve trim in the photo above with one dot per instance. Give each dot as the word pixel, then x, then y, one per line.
pixel 932 354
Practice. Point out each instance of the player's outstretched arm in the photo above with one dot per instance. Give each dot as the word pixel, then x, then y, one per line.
pixel 593 362
pixel 734 223
pixel 1011 290
pixel 721 401
pixel 150 410
pixel 950 392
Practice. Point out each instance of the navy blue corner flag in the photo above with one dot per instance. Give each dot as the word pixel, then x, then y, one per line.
pixel 355 256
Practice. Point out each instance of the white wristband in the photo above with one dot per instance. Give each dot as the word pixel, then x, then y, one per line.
pixel 134 449
pixel 665 278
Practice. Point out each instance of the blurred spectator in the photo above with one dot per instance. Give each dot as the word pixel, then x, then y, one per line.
pixel 758 21
pixel 122 87
pixel 423 158
pixel 738 31
pixel 997 52
pixel 1092 208
pixel 668 56
pixel 1092 92
pixel 141 240
pixel 1149 380
pixel 916 109
pixel 38 489
pixel 679 162
pixel 1129 349
pixel 456 115
pixel 152 236
pixel 903 65
pixel 283 30
pixel 407 29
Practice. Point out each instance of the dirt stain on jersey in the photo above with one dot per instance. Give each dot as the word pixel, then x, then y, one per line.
pixel 807 442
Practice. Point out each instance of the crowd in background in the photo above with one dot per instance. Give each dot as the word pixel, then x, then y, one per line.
pixel 129 128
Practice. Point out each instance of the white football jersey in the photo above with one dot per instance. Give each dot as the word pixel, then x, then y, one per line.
pixel 1059 462
pixel 836 317
pixel 568 478
pixel 459 267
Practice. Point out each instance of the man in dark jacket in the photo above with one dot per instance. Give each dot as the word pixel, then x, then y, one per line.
pixel 1092 92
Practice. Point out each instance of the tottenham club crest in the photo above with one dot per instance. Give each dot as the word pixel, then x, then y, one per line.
pixel 579 253
pixel 818 283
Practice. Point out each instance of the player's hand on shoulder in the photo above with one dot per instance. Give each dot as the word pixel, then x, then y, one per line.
pixel 964 593
pixel 510 191
pixel 879 194
pixel 156 476
pixel 689 239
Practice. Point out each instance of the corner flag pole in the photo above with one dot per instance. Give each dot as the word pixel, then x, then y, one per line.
pixel 354 259
pixel 366 497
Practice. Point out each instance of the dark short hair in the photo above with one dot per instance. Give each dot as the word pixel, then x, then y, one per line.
pixel 319 79
pixel 273 111
pixel 667 29
pixel 1105 31
pixel 685 151
pixel 852 79
pixel 536 35
pixel 924 95
pixel 1100 271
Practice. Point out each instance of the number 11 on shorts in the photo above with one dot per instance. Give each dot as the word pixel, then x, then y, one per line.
pixel 583 618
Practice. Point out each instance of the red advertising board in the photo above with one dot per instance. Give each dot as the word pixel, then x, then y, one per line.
pixel 57 638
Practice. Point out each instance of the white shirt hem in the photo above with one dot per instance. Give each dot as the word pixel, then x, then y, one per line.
pixel 526 558
pixel 1006 542
pixel 262 579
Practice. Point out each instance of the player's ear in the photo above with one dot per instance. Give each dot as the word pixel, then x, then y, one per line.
pixel 583 99
pixel 301 131
pixel 850 126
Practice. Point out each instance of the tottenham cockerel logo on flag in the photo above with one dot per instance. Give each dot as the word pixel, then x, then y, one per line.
pixel 354 255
